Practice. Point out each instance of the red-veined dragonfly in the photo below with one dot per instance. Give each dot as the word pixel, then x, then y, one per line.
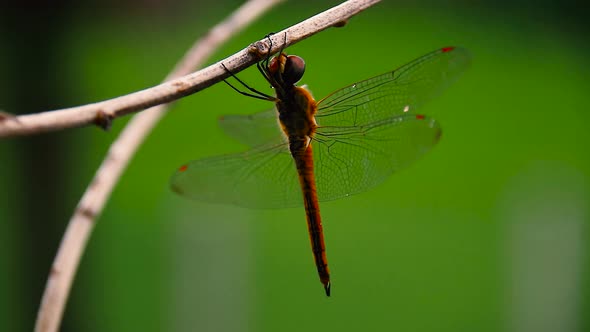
pixel 304 151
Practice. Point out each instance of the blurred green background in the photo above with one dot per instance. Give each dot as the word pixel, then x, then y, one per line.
pixel 488 232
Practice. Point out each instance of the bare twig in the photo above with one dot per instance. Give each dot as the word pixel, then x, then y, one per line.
pixel 102 113
pixel 74 241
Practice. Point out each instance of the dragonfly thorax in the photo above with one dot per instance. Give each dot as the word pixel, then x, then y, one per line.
pixel 296 112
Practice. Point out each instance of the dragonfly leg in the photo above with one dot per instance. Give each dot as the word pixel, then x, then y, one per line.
pixel 255 93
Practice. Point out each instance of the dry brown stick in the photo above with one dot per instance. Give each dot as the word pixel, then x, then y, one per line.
pixel 76 236
pixel 102 113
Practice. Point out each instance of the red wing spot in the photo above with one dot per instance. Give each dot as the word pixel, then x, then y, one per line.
pixel 183 168
pixel 420 117
pixel 447 49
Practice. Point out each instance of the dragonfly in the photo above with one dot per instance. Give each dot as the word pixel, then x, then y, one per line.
pixel 304 151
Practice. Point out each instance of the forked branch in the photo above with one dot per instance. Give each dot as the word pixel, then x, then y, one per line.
pixel 121 151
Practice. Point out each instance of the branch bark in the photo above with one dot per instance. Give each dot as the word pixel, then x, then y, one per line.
pixel 102 113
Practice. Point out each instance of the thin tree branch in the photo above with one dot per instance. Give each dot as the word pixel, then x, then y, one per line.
pixel 76 236
pixel 121 151
pixel 102 113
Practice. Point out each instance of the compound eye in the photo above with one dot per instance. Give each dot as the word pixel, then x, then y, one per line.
pixel 294 69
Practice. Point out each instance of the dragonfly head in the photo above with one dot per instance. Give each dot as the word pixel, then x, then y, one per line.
pixel 287 69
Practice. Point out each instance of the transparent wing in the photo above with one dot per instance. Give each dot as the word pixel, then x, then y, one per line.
pixel 387 95
pixel 367 131
pixel 347 160
pixel 264 177
pixel 352 159
pixel 253 129
pixel 393 93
